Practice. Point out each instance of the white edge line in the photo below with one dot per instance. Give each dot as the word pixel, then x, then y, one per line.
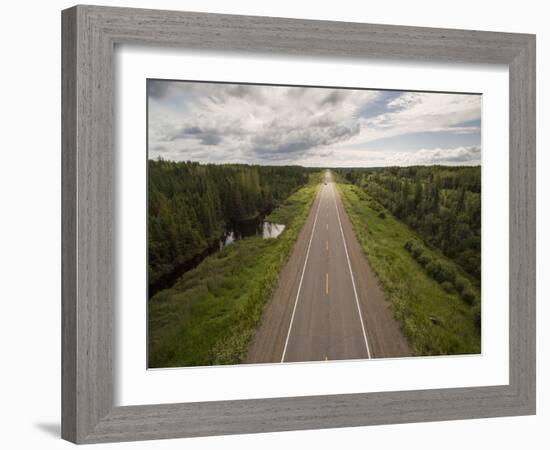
pixel 301 278
pixel 352 278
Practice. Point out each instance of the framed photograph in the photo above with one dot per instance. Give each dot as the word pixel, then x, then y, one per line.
pixel 267 222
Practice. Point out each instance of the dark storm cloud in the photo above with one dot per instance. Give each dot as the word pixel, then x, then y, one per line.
pixel 241 91
pixel 279 144
pixel 296 92
pixel 335 97
pixel 325 153
pixel 157 88
pixel 160 149
pixel 210 139
pixel 205 136
pixel 191 131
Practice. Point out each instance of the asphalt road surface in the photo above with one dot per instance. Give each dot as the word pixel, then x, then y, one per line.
pixel 328 304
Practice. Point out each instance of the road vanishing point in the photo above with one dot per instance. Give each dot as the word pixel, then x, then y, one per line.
pixel 328 304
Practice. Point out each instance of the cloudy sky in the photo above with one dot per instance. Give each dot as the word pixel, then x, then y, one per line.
pixel 275 125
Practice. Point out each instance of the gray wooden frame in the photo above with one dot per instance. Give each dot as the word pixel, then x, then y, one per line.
pixel 89 36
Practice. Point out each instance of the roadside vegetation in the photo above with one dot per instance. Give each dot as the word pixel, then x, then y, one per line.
pixel 441 204
pixel 435 297
pixel 190 205
pixel 211 313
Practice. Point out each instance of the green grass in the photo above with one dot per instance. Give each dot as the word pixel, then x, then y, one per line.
pixel 435 321
pixel 213 311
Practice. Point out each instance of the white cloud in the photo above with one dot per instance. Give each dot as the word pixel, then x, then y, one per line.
pixel 212 122
pixel 422 112
pixel 450 156
pixel 405 101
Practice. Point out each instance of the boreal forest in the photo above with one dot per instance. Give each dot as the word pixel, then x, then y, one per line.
pixel 190 205
pixel 441 204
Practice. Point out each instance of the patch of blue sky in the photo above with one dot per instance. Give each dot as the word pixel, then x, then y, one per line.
pixel 425 140
pixel 468 123
pixel 379 105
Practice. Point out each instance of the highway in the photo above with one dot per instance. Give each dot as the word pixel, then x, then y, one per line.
pixel 328 304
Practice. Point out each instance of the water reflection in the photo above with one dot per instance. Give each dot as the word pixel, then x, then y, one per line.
pixel 239 230
pixel 272 230
pixel 267 230
pixel 228 239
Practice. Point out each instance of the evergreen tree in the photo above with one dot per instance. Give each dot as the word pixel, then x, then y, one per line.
pixel 445 208
pixel 190 205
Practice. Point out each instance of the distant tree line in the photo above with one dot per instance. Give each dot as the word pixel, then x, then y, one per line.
pixel 191 204
pixel 442 204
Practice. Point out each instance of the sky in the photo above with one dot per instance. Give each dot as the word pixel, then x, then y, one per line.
pixel 309 126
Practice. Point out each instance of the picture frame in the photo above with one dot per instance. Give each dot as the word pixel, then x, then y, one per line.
pixel 89 37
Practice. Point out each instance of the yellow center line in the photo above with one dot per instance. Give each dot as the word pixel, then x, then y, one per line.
pixel 326 283
pixel 327 245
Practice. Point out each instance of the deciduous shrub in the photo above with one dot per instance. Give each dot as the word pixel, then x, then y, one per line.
pixel 434 268
pixel 441 271
pixel 447 273
pixel 461 284
pixel 424 260
pixel 468 296
pixel 417 251
pixel 414 248
pixel 408 245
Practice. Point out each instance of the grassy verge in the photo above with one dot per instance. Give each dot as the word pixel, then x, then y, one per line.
pixel 434 316
pixel 212 312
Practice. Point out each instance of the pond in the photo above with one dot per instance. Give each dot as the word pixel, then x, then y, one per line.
pixel 235 231
pixel 253 227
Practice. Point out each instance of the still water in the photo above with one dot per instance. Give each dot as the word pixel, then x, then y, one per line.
pixel 253 227
pixel 235 231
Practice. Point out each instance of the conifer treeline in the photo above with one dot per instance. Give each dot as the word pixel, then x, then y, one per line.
pixel 190 205
pixel 442 204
